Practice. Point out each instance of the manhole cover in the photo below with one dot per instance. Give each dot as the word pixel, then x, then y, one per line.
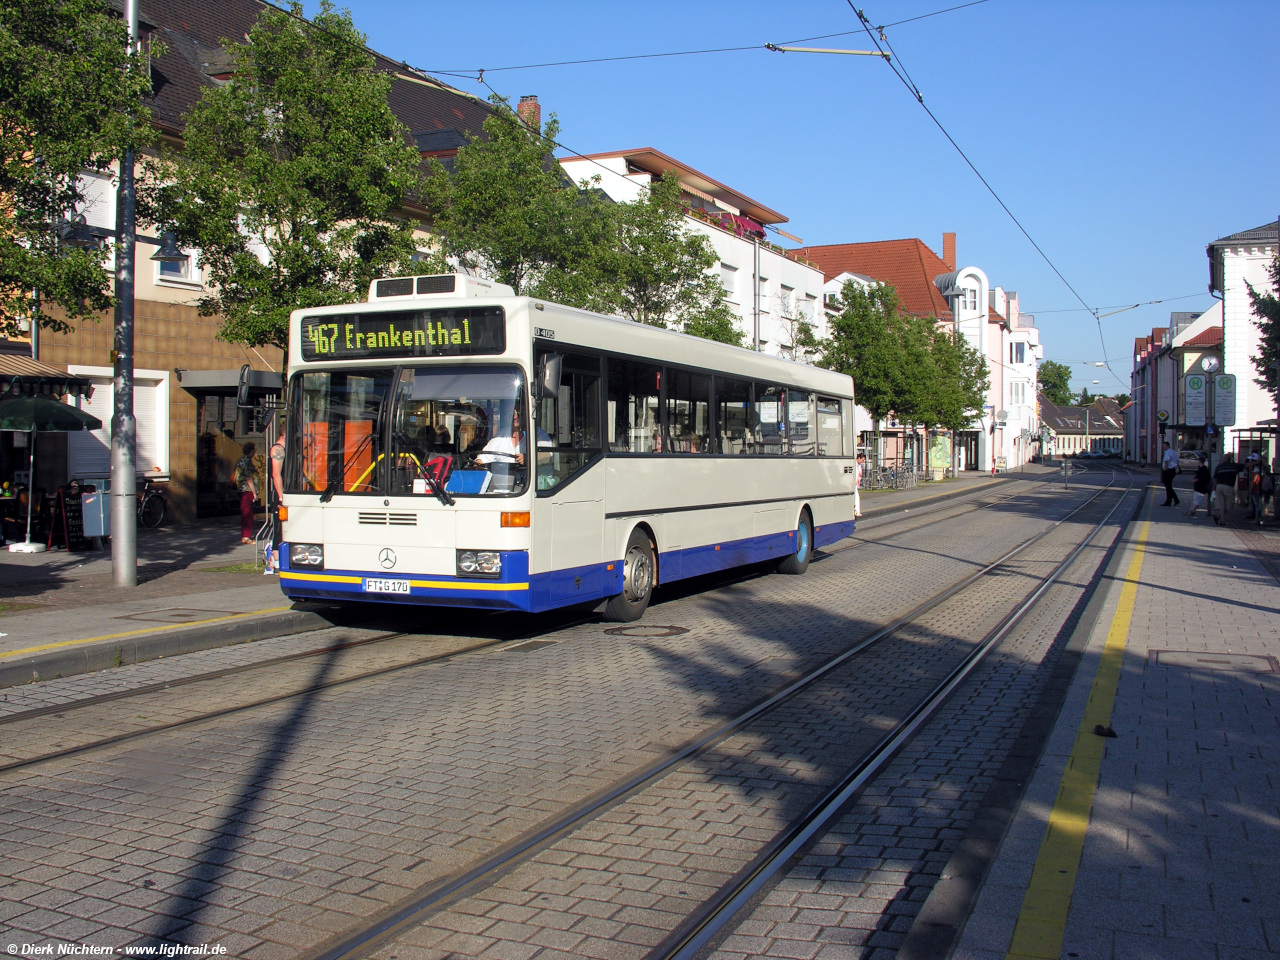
pixel 175 615
pixel 647 630
pixel 1199 660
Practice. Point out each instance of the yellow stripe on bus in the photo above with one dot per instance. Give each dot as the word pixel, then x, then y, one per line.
pixel 429 584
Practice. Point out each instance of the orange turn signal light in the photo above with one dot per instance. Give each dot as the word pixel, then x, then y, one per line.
pixel 515 518
pixel 284 513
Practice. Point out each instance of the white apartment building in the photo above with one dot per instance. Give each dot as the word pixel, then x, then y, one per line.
pixel 769 290
pixel 1237 262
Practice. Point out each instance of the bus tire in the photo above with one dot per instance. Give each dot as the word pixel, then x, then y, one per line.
pixel 798 562
pixel 637 581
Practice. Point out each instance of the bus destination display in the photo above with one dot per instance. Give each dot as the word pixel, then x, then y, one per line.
pixel 453 332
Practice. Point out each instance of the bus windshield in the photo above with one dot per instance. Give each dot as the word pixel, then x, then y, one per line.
pixel 459 428
pixel 338 431
pixel 463 425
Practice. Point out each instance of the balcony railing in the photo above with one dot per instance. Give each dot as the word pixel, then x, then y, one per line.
pixel 736 229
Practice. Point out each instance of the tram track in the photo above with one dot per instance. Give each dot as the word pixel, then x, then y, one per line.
pixel 301 660
pixel 167 687
pixel 702 924
pixel 716 914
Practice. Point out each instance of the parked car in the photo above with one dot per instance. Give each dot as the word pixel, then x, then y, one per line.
pixel 1188 460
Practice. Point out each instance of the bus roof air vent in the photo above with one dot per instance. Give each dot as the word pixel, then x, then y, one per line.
pixel 437 285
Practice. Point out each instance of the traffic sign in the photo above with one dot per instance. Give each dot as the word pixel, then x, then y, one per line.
pixel 1224 399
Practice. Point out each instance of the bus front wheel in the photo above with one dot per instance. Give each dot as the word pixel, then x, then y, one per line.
pixel 638 575
pixel 798 562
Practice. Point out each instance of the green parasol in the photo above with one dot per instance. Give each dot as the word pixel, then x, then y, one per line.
pixel 33 415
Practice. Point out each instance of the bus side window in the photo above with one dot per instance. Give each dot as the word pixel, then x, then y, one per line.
pixel 688 411
pixel 769 423
pixel 830 435
pixel 800 417
pixel 733 415
pixel 567 428
pixel 635 424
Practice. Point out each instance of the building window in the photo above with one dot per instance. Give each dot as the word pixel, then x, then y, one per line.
pixel 1018 352
pixel 729 279
pixel 970 299
pixel 181 273
pixel 179 270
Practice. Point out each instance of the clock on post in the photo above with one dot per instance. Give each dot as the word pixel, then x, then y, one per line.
pixel 1209 363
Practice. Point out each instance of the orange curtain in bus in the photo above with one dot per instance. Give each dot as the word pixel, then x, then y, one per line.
pixel 356 434
pixel 315 455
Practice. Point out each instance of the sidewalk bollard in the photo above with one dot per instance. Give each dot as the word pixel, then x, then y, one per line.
pixel 1066 473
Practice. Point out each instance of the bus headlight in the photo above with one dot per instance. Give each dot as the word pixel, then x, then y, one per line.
pixel 479 563
pixel 306 555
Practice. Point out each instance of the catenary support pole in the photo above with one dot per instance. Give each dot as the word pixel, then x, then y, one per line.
pixel 124 515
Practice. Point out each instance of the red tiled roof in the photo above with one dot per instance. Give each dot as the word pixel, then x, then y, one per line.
pixel 907 265
pixel 1206 338
pixel 193 31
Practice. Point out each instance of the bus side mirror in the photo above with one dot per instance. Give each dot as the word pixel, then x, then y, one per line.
pixel 242 388
pixel 549 371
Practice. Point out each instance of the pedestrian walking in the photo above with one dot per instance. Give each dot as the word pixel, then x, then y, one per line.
pixel 246 483
pixel 1224 487
pixel 1201 487
pixel 1254 466
pixel 1267 486
pixel 1169 470
pixel 275 459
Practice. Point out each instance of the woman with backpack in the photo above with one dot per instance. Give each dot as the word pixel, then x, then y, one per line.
pixel 243 477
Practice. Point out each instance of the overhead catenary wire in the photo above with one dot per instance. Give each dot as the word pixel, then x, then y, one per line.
pixel 467 72
pixel 895 65
pixel 1117 306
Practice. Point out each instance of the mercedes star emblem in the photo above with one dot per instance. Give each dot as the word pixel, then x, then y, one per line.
pixel 387 557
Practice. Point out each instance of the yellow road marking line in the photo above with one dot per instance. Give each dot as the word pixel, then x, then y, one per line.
pixel 137 633
pixel 1042 921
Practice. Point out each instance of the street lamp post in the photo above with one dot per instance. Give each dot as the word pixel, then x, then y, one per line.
pixel 124 531
pixel 124 474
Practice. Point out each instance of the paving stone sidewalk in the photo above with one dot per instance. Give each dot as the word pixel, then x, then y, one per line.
pixel 1180 851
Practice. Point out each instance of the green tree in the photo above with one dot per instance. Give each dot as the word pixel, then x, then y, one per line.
pixel 69 102
pixel 1085 397
pixel 658 271
pixel 292 176
pixel 1266 309
pixel 866 342
pixel 509 212
pixel 960 384
pixel 1055 382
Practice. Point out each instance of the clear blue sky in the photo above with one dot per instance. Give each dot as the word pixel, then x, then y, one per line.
pixel 1125 136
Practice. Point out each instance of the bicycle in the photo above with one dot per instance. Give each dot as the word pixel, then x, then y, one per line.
pixel 152 505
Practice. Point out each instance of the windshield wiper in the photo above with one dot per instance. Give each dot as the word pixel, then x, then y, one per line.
pixel 336 482
pixel 437 488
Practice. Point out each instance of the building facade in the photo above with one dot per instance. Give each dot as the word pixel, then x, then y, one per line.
pixel 189 429
pixel 771 290
pixel 1236 263
pixel 929 285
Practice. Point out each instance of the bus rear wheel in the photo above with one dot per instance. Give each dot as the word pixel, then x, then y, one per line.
pixel 638 572
pixel 798 562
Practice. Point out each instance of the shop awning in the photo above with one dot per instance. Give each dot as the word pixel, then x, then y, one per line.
pixel 22 376
pixel 226 381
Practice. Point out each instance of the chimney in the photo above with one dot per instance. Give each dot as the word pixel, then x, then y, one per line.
pixel 949 250
pixel 530 112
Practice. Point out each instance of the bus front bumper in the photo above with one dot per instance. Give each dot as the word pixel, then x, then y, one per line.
pixel 509 591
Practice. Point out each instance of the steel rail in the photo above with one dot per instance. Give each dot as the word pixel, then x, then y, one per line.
pixel 98 698
pixel 240 707
pixel 720 910
pixel 434 896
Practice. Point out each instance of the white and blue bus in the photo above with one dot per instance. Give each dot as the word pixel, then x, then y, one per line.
pixel 449 443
